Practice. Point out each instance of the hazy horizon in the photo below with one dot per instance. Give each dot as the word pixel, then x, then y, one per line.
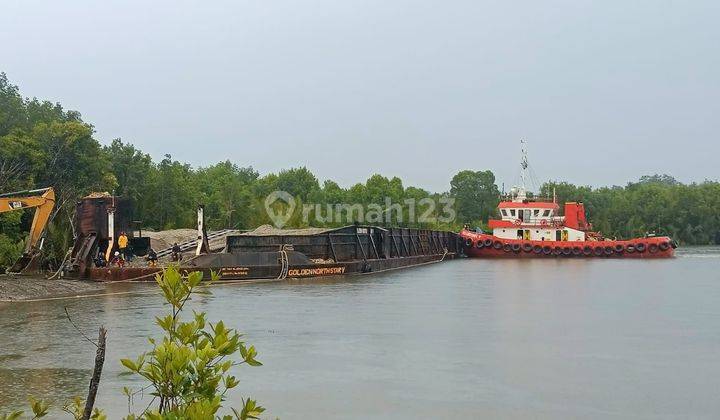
pixel 602 92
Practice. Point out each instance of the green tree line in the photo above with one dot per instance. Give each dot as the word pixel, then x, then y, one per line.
pixel 42 144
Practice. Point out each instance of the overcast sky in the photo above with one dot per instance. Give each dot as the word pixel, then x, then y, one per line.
pixel 603 91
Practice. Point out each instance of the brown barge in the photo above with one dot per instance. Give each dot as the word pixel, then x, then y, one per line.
pixel 263 254
pixel 309 253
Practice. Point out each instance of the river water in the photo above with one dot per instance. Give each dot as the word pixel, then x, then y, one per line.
pixel 544 339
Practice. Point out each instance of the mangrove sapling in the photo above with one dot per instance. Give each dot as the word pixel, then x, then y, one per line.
pixel 188 368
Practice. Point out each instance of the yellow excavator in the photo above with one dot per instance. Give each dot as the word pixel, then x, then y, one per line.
pixel 43 201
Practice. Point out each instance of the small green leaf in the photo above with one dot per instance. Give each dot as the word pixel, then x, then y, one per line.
pixel 253 362
pixel 129 364
pixel 12 416
pixel 39 407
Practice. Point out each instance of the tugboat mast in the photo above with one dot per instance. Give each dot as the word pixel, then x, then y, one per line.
pixel 522 189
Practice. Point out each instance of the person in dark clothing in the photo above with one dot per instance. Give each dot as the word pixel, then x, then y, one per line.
pixel 176 252
pixel 152 258
pixel 129 252
pixel 100 260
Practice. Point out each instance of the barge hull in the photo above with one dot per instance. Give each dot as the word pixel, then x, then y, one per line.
pixel 114 274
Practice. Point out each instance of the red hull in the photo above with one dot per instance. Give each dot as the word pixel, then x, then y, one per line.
pixel 489 246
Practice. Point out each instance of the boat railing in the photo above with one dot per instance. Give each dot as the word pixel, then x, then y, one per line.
pixel 529 199
pixel 548 221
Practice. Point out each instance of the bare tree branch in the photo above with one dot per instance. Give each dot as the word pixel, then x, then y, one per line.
pixel 80 331
pixel 97 372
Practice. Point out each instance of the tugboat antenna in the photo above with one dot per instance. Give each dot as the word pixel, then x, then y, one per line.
pixel 522 191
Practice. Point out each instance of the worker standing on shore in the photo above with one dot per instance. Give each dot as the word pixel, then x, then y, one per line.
pixel 122 244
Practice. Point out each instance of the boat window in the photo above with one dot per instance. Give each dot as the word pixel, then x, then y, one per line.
pixel 504 213
pixel 526 214
pixel 520 234
pixel 547 213
pixel 536 212
pixel 512 212
pixel 558 235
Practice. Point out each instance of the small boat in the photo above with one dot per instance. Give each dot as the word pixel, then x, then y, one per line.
pixel 533 228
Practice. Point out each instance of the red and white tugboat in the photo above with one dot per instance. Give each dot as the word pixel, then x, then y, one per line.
pixel 534 228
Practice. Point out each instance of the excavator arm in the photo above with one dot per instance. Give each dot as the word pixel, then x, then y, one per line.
pixel 43 201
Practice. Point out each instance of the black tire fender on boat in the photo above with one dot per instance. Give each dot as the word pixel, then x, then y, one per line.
pixel 507 248
pixel 468 242
pixel 630 248
pixel 537 249
pixel 608 250
pixel 488 242
pixel 557 250
pixel 587 250
pixel 619 248
pixel 479 244
pixel 598 251
pixel 516 247
pixel 547 250
pixel 567 250
pixel 527 247
pixel 664 246
pixel 653 248
pixel 576 250
pixel 640 247
pixel 497 245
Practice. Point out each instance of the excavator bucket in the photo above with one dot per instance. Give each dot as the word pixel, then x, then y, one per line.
pixel 26 263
